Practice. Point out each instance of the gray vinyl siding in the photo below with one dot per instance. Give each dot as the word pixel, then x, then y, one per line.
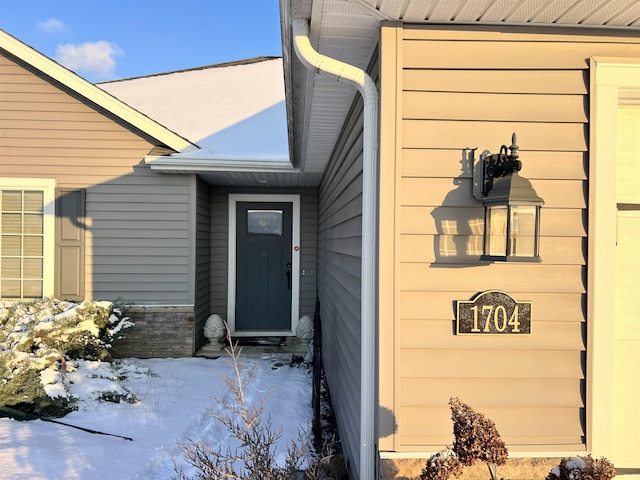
pixel 137 244
pixel 219 251
pixel 308 251
pixel 339 274
pixel 202 261
pixel 143 255
pixel 220 240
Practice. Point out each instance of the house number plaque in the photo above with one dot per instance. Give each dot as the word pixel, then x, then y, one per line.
pixel 493 313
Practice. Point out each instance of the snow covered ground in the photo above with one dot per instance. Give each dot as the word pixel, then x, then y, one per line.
pixel 173 398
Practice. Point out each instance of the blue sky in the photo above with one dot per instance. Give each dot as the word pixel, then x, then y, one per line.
pixel 110 39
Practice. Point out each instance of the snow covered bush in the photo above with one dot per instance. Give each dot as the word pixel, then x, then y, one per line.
pixel 39 338
pixel 441 465
pixel 475 438
pixel 582 468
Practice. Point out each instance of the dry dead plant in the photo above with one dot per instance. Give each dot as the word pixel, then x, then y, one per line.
pixel 582 468
pixel 256 438
pixel 476 438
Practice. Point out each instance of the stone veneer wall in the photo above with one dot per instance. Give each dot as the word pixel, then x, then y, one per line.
pixel 514 469
pixel 159 331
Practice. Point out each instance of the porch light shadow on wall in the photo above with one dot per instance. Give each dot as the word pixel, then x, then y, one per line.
pixel 511 207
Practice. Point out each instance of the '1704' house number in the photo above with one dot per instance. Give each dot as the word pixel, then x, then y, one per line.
pixel 493 313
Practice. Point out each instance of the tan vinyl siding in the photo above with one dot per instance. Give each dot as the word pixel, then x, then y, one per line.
pixel 459 90
pixel 70 247
pixel 339 271
pixel 137 244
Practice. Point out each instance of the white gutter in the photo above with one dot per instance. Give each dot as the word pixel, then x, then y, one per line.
pixel 172 163
pixel 367 88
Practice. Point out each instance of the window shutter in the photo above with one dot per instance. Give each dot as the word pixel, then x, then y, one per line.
pixel 70 244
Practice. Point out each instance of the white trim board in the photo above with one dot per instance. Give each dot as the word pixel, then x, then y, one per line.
pixel 614 82
pixel 295 261
pixel 48 187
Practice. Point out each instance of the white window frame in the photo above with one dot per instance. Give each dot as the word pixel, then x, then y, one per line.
pixel 614 82
pixel 295 260
pixel 48 187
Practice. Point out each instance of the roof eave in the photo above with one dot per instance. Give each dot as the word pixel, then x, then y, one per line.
pixel 298 81
pixel 186 163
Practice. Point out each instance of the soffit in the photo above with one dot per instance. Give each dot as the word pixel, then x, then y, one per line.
pixel 612 13
pixel 348 30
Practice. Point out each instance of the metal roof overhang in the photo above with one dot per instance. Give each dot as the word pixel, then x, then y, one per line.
pixel 245 172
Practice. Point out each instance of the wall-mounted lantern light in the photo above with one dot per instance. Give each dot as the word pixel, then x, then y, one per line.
pixel 512 207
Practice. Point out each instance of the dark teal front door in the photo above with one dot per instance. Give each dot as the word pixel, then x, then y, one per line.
pixel 263 266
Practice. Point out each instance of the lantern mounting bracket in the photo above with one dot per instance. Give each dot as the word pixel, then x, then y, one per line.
pixel 495 165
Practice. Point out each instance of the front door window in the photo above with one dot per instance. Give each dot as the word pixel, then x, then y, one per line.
pixel 264 222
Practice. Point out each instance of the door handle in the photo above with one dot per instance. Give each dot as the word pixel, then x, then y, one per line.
pixel 288 275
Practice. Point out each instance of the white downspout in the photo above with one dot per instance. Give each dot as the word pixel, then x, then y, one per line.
pixel 367 88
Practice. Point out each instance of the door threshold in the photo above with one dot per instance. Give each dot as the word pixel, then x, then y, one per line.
pixel 256 341
pixel 260 347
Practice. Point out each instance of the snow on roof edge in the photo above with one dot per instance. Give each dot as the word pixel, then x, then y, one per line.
pixel 235 63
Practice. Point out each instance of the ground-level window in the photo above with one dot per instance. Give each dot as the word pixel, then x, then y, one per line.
pixel 26 238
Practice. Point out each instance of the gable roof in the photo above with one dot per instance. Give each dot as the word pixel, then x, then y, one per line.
pixel 232 111
pixel 24 53
pixel 235 112
pixel 249 147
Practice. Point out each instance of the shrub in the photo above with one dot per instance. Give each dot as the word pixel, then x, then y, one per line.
pixel 36 340
pixel 582 468
pixel 441 465
pixel 475 438
pixel 22 389
pixel 85 332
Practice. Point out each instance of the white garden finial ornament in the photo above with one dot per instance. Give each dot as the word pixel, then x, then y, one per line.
pixel 215 330
pixel 304 331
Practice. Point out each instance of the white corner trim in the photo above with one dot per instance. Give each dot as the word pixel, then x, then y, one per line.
pixel 614 82
pixel 295 258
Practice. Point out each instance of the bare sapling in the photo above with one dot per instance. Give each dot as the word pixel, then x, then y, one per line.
pixel 254 456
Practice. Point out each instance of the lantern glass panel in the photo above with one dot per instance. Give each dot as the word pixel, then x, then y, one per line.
pixel 495 237
pixel 522 235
